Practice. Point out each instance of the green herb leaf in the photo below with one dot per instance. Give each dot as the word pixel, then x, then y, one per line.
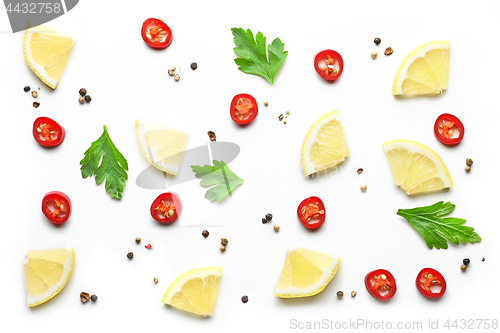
pixel 219 175
pixel 112 167
pixel 252 54
pixel 436 230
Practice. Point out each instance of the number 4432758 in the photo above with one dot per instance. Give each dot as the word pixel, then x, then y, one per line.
pixel 33 8
pixel 472 324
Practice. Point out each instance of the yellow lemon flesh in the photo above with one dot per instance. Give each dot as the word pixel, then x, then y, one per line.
pixel 424 71
pixel 163 146
pixel 47 51
pixel 195 291
pixel 46 272
pixel 305 273
pixel 416 168
pixel 325 144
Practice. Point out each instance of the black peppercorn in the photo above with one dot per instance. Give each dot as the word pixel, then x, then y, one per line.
pixel 93 298
pixel 264 221
pixel 83 92
pixel 130 255
pixel 88 98
pixel 194 66
pixel 269 217
pixel 244 299
pixel 466 261
pixel 377 41
pixel 205 233
pixel 27 88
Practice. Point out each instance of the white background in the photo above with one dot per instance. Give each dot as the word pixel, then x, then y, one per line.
pixel 128 80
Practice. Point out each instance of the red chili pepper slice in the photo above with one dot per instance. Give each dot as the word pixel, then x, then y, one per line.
pixel 448 129
pixel 311 212
pixel 166 207
pixel 156 34
pixel 243 109
pixel 56 206
pixel 47 132
pixel 426 279
pixel 329 64
pixel 149 247
pixel 381 284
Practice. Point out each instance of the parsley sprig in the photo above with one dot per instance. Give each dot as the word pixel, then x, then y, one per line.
pixel 436 230
pixel 219 174
pixel 104 161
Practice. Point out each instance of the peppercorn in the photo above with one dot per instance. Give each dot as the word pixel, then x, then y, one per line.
pixel 269 216
pixel 205 233
pixel 467 168
pixel 36 104
pixel 466 261
pixel 82 92
pixel 388 51
pixel 374 54
pixel 266 103
pixel 340 294
pixel 484 259
pixel 280 117
pixel 88 98
pixel 264 221
pixel 27 88
pixel 173 69
pixel 244 299
pixel 84 297
pixel 212 136
pixel 155 280
pixel 224 241
pixel 222 248
pixel 353 293
pixel 93 298
pixel 360 170
pixel 377 40
pixel 177 77
pixel 276 227
pixel 81 100
pixel 363 187
pixel 194 66
pixel 34 94
pixel 463 268
pixel 469 162
pixel 130 255
pixel 138 240
pixel 171 72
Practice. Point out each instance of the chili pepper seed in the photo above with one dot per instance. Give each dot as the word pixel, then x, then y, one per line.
pixel 93 298
pixel 177 77
pixel 88 98
pixel 194 66
pixel 340 294
pixel 484 259
pixel 171 72
pixel 388 51
pixel 155 280
pixel 27 88
pixel 36 104
pixel 84 297
pixel 81 100
pixel 360 170
pixel 34 94
pixel 244 299
pixel 280 118
pixel 212 136
pixel 205 233
pixel 377 40
pixel 224 241
pixel 138 240
pixel 130 255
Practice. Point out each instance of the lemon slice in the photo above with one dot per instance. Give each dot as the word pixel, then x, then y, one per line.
pixel 46 273
pixel 163 146
pixel 195 291
pixel 424 71
pixel 324 145
pixel 305 273
pixel 47 51
pixel 416 168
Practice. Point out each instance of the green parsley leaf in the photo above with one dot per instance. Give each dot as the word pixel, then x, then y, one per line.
pixel 252 54
pixel 436 230
pixel 112 167
pixel 219 175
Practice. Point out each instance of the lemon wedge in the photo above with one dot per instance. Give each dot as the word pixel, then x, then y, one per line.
pixel 195 291
pixel 305 273
pixel 163 146
pixel 46 272
pixel 416 168
pixel 324 145
pixel 47 51
pixel 424 71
